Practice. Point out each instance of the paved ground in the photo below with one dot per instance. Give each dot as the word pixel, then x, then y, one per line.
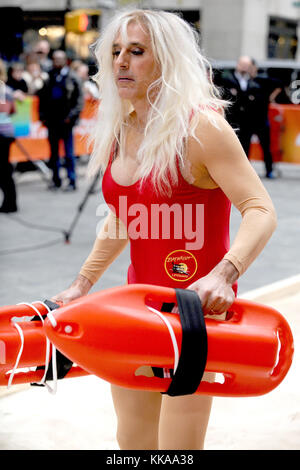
pixel 36 264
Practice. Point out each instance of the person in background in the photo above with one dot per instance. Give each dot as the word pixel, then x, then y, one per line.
pixel 75 64
pixel 34 77
pixel 269 89
pixel 89 87
pixel 42 51
pixel 248 113
pixel 61 102
pixel 16 82
pixel 7 108
pixel 238 89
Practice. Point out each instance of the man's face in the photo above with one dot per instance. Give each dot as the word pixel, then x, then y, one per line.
pixel 244 66
pixel 134 65
pixel 59 60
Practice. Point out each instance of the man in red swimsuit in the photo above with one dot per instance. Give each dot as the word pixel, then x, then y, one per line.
pixel 174 154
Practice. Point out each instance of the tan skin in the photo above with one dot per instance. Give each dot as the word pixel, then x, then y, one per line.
pixel 146 420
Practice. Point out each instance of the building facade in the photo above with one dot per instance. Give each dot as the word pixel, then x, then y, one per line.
pixel 264 29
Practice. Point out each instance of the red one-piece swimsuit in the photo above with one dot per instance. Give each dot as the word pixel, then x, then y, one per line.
pixel 174 240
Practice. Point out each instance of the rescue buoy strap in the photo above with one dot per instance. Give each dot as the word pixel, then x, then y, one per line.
pixel 59 362
pixel 38 317
pixel 193 355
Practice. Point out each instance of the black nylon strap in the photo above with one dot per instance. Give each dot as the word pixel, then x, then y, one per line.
pixel 193 355
pixel 63 364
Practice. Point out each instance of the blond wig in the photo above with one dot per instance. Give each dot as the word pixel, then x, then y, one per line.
pixel 185 89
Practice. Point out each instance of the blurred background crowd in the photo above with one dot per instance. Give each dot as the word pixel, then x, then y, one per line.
pixel 46 53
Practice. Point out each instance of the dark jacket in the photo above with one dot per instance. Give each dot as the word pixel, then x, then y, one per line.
pixel 267 86
pixel 60 98
pixel 243 108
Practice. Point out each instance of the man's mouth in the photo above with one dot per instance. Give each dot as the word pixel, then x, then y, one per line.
pixel 125 79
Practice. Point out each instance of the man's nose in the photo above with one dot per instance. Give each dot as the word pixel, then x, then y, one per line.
pixel 122 60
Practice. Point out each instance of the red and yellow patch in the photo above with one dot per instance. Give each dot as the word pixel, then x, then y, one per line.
pixel 181 265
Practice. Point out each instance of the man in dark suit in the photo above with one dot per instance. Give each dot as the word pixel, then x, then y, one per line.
pixel 269 89
pixel 248 110
pixel 61 102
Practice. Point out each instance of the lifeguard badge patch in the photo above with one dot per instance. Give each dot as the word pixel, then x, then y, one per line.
pixel 181 265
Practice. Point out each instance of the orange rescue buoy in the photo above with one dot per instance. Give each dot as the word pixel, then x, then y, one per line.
pixel 24 343
pixel 115 332
pixel 111 334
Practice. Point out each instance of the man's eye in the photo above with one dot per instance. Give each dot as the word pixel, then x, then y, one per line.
pixel 115 53
pixel 137 52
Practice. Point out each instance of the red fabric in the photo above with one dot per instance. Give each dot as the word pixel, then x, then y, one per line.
pixel 170 262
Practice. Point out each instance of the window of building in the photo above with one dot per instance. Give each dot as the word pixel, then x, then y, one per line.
pixel 282 39
pixel 191 16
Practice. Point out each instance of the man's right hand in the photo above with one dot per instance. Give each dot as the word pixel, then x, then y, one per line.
pixel 78 288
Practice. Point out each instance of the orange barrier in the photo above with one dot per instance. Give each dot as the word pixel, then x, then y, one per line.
pixel 284 128
pixel 111 334
pixel 291 134
pixel 285 134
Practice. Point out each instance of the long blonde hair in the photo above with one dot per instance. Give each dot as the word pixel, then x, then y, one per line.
pixel 185 89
